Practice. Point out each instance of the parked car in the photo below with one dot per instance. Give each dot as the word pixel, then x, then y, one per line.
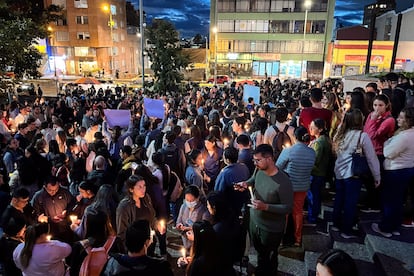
pixel 221 79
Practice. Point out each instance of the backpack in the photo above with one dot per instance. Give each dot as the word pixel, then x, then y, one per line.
pixel 97 257
pixel 227 129
pixel 281 138
pixel 171 159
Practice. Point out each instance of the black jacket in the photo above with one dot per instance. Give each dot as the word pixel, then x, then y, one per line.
pixel 125 265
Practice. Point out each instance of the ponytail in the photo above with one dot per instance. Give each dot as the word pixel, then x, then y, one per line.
pixel 32 233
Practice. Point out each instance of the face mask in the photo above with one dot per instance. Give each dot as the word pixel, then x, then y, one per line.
pixel 191 204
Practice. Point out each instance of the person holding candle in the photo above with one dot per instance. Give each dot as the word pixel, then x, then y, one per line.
pixel 212 156
pixel 52 204
pixel 273 201
pixel 206 258
pixel 98 231
pixel 136 261
pixel 136 205
pixel 233 172
pixel 40 256
pixel 191 211
pixel 194 173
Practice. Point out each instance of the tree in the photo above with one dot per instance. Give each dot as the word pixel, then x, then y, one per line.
pixel 198 39
pixel 22 23
pixel 165 54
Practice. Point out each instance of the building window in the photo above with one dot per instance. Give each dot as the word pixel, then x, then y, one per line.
pixel 282 5
pixel 82 20
pixel 83 35
pixel 61 22
pixel 225 26
pixel 318 27
pixel 81 51
pixel 115 37
pixel 226 5
pixel 60 3
pixel 62 36
pixel 387 28
pixel 278 26
pixel 81 4
pixel 242 5
pixel 114 51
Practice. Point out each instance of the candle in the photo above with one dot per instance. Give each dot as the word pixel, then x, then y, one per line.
pixel 73 218
pixel 162 226
pixel 286 145
pixel 187 131
pixel 251 192
pixel 226 141
pixel 48 237
pixel 183 252
pixel 202 162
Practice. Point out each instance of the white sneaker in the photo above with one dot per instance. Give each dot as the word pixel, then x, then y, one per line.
pixel 396 233
pixel 376 229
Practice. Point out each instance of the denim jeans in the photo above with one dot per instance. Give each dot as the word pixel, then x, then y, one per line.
pixel 314 197
pixel 395 185
pixel 345 205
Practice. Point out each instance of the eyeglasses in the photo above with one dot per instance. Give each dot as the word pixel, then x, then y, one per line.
pixel 258 160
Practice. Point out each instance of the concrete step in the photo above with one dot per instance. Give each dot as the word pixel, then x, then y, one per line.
pixel 395 255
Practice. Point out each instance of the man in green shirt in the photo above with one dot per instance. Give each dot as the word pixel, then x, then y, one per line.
pixel 272 201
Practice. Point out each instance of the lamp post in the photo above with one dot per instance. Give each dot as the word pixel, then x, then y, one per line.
pixel 215 31
pixel 53 52
pixel 307 5
pixel 207 64
pixel 141 28
pixel 107 8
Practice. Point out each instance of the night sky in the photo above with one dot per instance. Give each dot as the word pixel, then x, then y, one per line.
pixel 192 16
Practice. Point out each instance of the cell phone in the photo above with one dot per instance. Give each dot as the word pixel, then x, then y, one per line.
pixel 134 166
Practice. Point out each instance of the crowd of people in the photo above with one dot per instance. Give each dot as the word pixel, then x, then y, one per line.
pixel 222 172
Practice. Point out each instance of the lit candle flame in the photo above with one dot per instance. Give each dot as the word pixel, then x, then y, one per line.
pixel 73 218
pixel 183 252
pixel 187 131
pixel 48 237
pixel 226 141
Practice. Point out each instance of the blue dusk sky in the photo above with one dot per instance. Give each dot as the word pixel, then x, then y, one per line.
pixel 193 16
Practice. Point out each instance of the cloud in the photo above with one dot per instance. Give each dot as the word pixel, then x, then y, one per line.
pixel 193 16
pixel 189 16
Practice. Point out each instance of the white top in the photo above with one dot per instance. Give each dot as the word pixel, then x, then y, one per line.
pixel 399 151
pixel 47 258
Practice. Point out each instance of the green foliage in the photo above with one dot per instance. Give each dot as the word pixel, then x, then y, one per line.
pixel 165 54
pixel 22 23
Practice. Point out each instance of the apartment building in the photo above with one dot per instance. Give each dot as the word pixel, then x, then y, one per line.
pixel 273 38
pixel 92 38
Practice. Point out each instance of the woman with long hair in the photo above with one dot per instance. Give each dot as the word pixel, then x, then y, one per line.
pixel 211 160
pixel 194 174
pixel 134 206
pixel 155 191
pixel 40 256
pixel 379 126
pixel 98 231
pixel 348 187
pixel 106 200
pixel 196 141
pixel 398 174
pixel 323 151
pixel 206 258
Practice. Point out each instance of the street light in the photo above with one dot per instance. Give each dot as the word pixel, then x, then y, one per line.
pixel 215 31
pixel 141 28
pixel 307 5
pixel 52 48
pixel 107 9
pixel 207 63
